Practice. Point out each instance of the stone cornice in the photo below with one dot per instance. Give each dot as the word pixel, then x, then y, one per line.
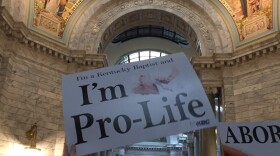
pixel 20 33
pixel 218 60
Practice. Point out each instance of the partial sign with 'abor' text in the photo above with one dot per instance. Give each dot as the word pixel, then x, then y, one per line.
pixel 250 138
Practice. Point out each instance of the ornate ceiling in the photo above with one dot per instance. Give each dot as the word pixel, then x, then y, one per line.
pixel 220 25
pixel 52 16
pixel 250 16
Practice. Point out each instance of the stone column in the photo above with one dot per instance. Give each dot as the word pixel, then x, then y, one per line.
pixel 208 135
pixel 218 110
pixel 196 143
pixel 190 143
pixel 172 141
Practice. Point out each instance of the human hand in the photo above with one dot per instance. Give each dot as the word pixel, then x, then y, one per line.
pixel 229 151
pixel 72 151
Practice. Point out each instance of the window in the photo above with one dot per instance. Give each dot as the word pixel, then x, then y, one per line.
pixel 140 55
pixel 150 31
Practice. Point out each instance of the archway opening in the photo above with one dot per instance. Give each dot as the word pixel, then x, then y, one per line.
pixel 149 23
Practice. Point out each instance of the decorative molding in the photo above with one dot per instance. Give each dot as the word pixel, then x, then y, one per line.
pixel 255 25
pixel 47 22
pixel 148 16
pixel 20 33
pixel 236 58
pixel 100 25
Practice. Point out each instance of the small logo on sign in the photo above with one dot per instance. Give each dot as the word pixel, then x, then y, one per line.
pixel 202 122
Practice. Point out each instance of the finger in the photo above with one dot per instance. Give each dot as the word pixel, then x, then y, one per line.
pixel 65 150
pixel 73 150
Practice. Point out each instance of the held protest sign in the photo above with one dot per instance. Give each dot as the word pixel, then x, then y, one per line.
pixel 124 104
pixel 250 139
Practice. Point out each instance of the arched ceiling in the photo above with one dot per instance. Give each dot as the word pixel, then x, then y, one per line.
pixel 220 25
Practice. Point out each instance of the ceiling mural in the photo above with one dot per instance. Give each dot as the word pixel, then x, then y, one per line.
pixel 251 17
pixel 52 16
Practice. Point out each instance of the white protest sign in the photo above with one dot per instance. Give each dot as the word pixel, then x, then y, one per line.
pixel 250 138
pixel 124 104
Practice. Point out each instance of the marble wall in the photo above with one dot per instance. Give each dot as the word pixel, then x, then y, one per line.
pixel 256 89
pixel 250 85
pixel 31 93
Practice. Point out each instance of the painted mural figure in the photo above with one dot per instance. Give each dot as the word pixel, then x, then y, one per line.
pixel 251 17
pixel 53 15
pixel 58 6
pixel 244 8
pixel 52 5
pixel 61 8
pixel 254 5
pixel 55 6
pixel 250 6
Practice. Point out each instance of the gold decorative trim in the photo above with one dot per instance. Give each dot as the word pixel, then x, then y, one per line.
pixel 22 34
